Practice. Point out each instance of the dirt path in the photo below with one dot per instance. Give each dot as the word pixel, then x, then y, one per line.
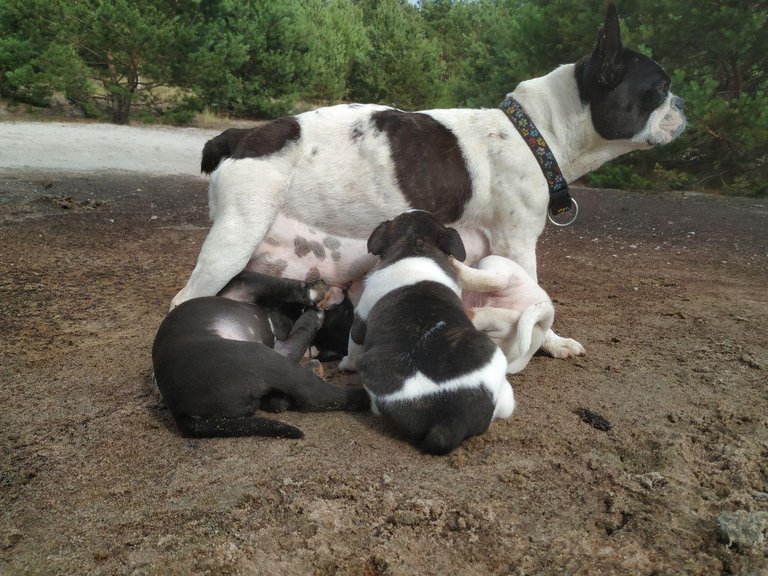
pixel 667 293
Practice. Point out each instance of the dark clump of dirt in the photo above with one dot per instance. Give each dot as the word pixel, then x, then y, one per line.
pixel 666 292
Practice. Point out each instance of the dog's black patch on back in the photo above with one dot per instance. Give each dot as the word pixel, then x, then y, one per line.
pixel 220 147
pixel 268 139
pixel 429 165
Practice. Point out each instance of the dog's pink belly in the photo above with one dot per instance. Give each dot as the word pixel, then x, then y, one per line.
pixel 293 249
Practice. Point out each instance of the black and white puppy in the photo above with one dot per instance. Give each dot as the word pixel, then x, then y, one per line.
pixel 429 372
pixel 339 171
pixel 216 360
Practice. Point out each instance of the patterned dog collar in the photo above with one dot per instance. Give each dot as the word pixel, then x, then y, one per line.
pixel 560 200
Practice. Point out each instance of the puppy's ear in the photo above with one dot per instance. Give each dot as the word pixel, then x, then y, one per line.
pixel 609 49
pixel 450 242
pixel 379 239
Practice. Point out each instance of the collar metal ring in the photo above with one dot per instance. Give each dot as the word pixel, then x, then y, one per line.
pixel 574 211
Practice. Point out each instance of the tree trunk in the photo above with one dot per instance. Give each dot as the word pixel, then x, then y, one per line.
pixel 122 94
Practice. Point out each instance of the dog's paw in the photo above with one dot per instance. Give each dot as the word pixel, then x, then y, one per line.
pixel 347 364
pixel 559 347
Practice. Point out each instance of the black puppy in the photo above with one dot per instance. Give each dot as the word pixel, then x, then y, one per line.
pixel 216 360
pixel 429 372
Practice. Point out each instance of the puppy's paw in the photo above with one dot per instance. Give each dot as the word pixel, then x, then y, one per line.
pixel 317 292
pixel 314 366
pixel 347 364
pixel 559 347
pixel 333 297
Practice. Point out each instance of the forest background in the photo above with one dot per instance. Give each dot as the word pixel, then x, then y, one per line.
pixel 171 61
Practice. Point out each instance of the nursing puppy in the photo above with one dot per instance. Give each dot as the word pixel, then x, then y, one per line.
pixel 216 360
pixel 505 303
pixel 433 377
pixel 341 170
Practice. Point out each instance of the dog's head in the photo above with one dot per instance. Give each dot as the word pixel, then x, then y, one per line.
pixel 628 93
pixel 415 233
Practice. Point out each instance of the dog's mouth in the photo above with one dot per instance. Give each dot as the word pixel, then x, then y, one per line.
pixel 670 127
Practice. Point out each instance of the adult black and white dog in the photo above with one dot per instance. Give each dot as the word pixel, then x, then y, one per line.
pixel 433 377
pixel 343 169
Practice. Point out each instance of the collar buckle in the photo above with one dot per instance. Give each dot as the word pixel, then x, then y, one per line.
pixel 552 214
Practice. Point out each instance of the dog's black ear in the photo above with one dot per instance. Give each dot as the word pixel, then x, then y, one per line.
pixel 609 49
pixel 450 242
pixel 379 239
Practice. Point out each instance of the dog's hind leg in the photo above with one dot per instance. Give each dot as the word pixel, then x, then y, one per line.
pixel 476 280
pixel 223 427
pixel 225 252
pixel 497 323
pixel 310 393
pixel 355 347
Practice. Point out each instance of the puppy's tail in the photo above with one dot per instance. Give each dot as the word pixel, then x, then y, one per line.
pixel 539 314
pixel 223 427
pixel 220 148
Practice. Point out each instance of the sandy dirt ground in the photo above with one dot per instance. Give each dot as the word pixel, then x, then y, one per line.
pixel 666 291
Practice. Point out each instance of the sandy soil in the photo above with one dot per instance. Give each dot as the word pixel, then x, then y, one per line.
pixel 666 291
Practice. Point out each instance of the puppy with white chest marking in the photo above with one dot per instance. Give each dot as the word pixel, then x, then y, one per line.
pixel 429 372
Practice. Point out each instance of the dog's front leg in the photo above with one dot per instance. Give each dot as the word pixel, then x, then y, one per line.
pixel 356 346
pixel 229 245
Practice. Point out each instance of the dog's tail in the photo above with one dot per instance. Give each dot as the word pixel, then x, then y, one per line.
pixel 224 427
pixel 220 148
pixel 541 313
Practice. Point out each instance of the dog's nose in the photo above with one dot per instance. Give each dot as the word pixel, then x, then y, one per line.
pixel 678 103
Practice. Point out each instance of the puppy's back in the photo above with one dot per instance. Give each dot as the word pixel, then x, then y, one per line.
pixel 423 328
pixel 434 377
